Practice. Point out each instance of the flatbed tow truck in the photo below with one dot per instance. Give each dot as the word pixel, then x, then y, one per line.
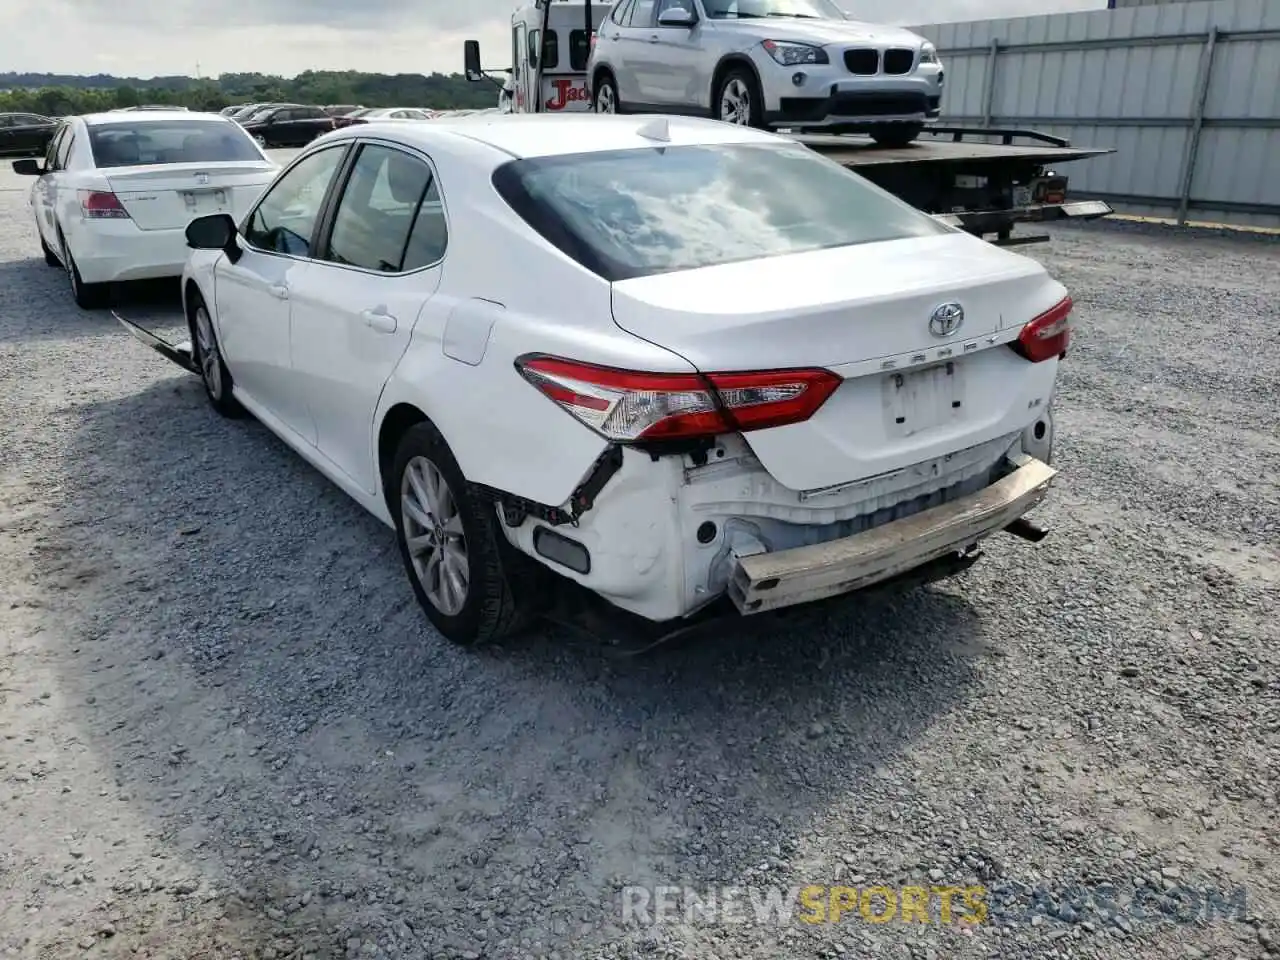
pixel 956 174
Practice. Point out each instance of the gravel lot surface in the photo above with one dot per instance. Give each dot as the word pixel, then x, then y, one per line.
pixel 227 730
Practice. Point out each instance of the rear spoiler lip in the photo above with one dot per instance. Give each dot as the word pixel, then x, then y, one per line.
pixel 179 353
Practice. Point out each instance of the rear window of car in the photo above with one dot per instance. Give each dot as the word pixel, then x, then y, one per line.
pixel 635 213
pixel 169 141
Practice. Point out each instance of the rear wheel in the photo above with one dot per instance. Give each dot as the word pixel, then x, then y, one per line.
pixel 738 99
pixel 896 134
pixel 606 94
pixel 213 371
pixel 88 296
pixel 472 584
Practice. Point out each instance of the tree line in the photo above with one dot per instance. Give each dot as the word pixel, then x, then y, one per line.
pixel 60 94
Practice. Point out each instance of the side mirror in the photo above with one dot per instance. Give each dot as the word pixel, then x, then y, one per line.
pixel 677 17
pixel 217 231
pixel 28 168
pixel 471 60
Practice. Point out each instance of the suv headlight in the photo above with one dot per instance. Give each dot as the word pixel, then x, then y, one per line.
pixel 794 54
pixel 929 54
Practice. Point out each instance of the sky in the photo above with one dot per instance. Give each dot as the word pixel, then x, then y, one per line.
pixel 145 38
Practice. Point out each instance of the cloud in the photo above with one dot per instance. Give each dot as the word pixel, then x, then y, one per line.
pixel 158 37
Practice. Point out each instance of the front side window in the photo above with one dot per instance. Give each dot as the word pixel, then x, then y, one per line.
pixel 379 224
pixel 285 220
pixel 635 213
pixel 619 13
pixel 641 14
pixel 169 141
pixel 754 9
pixel 51 155
pixel 64 149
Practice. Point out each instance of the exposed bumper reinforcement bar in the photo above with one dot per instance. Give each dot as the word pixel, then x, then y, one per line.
pixel 770 581
pixel 179 353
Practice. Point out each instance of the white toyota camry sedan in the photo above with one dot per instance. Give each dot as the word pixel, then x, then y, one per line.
pixel 674 360
pixel 116 191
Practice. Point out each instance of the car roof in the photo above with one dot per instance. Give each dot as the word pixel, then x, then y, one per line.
pixel 545 135
pixel 149 116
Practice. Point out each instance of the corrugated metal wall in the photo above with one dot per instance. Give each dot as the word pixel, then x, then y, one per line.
pixel 1187 93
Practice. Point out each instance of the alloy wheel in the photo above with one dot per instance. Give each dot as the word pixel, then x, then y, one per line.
pixel 434 536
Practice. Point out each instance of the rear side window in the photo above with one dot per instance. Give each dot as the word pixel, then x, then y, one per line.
pixel 170 141
pixel 389 218
pixel 635 213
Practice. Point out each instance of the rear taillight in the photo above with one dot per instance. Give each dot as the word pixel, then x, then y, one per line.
pixel 1047 336
pixel 97 205
pixel 628 406
pixel 591 41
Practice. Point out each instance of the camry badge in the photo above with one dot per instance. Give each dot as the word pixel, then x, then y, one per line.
pixel 946 320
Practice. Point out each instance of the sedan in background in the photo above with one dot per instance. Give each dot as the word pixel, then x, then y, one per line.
pixel 379 114
pixel 25 134
pixel 288 125
pixel 714 364
pixel 115 192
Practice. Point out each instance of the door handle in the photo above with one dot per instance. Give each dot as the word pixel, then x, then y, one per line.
pixel 279 290
pixel 379 321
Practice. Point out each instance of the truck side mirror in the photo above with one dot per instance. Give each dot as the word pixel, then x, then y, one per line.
pixel 471 60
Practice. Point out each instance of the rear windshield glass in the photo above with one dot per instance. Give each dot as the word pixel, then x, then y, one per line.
pixel 635 213
pixel 170 141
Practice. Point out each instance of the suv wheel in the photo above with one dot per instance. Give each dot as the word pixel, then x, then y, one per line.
pixel 738 99
pixel 606 95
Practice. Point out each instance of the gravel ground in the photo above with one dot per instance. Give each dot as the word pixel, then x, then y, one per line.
pixel 229 732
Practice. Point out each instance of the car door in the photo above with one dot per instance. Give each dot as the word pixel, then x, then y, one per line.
pixel 29 132
pixel 637 44
pixel 680 72
pixel 252 295
pixel 354 310
pixel 47 192
pixel 9 134
pixel 310 123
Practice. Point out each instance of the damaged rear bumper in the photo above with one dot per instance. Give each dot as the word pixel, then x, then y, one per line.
pixel 770 581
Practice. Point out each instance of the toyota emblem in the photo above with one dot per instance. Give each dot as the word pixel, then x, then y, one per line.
pixel 202 178
pixel 946 320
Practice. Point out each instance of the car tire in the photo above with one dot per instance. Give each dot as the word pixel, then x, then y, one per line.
pixel 214 375
pixel 604 99
pixel 450 535
pixel 50 257
pixel 88 296
pixel 739 86
pixel 896 134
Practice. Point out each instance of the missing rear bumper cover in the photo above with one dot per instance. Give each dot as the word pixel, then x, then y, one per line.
pixel 515 509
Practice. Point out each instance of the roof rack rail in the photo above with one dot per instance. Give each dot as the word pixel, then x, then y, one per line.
pixel 1006 136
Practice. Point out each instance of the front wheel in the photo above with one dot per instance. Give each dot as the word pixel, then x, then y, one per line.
pixel 472 584
pixel 738 99
pixel 896 134
pixel 213 371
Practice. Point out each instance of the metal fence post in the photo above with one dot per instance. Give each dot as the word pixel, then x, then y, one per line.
pixel 989 94
pixel 1192 153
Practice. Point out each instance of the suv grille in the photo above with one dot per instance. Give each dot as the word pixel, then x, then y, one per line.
pixel 899 61
pixel 863 62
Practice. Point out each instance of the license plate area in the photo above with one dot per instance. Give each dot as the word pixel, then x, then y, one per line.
pixel 923 399
pixel 201 202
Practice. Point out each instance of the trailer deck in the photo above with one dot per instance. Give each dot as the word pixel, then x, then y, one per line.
pixel 853 151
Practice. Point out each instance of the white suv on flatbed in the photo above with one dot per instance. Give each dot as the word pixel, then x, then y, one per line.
pixel 782 64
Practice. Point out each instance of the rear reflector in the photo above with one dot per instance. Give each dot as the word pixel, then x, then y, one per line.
pixel 1047 336
pixel 628 406
pixel 97 205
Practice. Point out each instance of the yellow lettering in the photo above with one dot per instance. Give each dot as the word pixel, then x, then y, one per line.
pixel 868 908
pixel 975 902
pixel 814 906
pixel 915 905
pixel 843 900
pixel 944 908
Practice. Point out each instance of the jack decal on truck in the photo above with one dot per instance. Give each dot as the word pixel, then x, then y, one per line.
pixel 568 91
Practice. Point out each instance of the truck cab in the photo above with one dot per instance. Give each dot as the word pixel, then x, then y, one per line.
pixel 550 46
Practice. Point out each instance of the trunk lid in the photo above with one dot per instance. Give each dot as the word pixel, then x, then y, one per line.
pixel 169 196
pixel 909 394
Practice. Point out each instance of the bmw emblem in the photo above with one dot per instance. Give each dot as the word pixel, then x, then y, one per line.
pixel 946 320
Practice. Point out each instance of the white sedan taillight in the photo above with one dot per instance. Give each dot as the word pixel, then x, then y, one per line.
pixel 101 205
pixel 629 406
pixel 1048 335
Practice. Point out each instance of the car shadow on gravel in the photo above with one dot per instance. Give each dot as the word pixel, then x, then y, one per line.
pixel 36 303
pixel 246 651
